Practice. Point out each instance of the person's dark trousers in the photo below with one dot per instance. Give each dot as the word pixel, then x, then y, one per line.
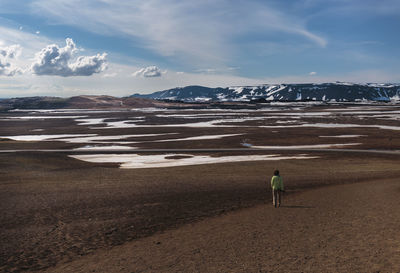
pixel 276 197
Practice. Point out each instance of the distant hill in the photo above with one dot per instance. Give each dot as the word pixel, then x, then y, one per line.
pixel 338 92
pixel 78 102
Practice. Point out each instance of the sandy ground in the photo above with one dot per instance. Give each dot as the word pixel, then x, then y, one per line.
pixel 344 228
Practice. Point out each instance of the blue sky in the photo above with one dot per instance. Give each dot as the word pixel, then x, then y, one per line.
pixel 71 47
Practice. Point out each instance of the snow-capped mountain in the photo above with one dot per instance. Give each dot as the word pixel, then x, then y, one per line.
pixel 338 91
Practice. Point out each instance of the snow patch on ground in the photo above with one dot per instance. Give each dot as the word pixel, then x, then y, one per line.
pixel 42 117
pixel 90 121
pixel 45 137
pixel 315 146
pixel 97 139
pixel 332 125
pixel 67 111
pixel 135 161
pixel 202 115
pixel 120 124
pixel 212 123
pixel 345 136
pixel 198 138
pixel 94 147
pixel 109 124
pixel 83 138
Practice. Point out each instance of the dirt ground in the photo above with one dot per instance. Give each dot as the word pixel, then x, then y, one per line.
pixel 56 209
pixel 345 228
pixel 341 209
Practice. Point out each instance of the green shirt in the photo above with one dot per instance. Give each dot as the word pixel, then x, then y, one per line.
pixel 276 183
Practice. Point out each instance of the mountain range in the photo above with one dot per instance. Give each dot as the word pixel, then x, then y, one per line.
pixel 331 92
pixel 191 96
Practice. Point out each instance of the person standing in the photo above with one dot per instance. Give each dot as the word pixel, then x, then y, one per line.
pixel 277 189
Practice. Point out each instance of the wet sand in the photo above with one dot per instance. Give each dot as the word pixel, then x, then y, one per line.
pixel 345 228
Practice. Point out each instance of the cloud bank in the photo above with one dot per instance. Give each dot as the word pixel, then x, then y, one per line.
pixel 55 61
pixel 148 72
pixel 7 55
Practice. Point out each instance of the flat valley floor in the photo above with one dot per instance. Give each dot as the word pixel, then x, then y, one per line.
pixel 101 207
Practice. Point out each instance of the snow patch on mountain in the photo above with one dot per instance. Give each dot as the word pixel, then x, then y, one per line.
pixel 328 92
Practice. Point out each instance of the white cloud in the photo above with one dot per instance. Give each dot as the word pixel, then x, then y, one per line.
pixel 313 73
pixel 56 61
pixel 200 32
pixel 110 75
pixel 7 56
pixel 11 52
pixel 220 70
pixel 30 42
pixel 207 70
pixel 123 84
pixel 148 72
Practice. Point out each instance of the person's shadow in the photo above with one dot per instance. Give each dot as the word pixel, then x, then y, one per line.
pixel 297 207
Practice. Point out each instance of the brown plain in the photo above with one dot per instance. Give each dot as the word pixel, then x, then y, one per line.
pixel 340 212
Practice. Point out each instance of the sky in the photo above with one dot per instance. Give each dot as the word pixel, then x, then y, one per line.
pixel 108 47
